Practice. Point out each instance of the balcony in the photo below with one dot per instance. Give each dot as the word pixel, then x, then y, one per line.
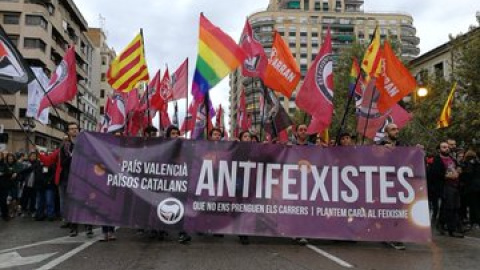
pixel 411 39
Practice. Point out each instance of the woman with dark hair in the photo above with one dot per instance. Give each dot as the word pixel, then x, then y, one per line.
pixel 32 174
pixel 16 168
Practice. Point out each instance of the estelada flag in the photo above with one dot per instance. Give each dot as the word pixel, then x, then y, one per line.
pixel 315 97
pixel 256 60
pixel 282 73
pixel 15 74
pixel 371 58
pixel 394 81
pixel 446 115
pixel 63 83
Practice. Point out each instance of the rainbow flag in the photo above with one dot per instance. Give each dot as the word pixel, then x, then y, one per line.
pixel 129 68
pixel 218 55
pixel 446 115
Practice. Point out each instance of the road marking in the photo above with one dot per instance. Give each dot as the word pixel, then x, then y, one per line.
pixel 68 255
pixel 330 256
pixel 13 259
pixel 59 240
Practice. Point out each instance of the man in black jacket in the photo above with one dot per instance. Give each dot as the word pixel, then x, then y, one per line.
pixel 444 180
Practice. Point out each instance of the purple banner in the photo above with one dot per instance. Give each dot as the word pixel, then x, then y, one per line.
pixel 352 193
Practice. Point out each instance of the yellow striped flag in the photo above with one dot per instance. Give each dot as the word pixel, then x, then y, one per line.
pixel 446 116
pixel 129 68
pixel 371 59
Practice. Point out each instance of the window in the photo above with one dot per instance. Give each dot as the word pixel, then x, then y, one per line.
pixel 11 18
pixel 103 77
pixel 14 40
pixel 102 93
pixel 36 20
pixel 314 34
pixel 22 113
pixel 34 43
pixel 5 111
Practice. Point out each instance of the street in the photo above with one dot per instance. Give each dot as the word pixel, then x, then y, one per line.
pixel 27 244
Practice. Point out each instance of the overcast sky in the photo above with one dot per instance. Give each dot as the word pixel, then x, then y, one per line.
pixel 171 26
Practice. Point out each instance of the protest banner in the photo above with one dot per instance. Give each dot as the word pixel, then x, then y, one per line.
pixel 367 193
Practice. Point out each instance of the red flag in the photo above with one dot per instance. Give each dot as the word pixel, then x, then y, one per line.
pixel 256 62
pixel 160 98
pixel 114 114
pixel 315 97
pixel 189 122
pixel 132 101
pixel 179 82
pixel 395 81
pixel 377 121
pixel 283 136
pixel 63 83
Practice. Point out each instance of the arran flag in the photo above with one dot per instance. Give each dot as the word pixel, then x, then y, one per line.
pixel 129 67
pixel 218 55
pixel 282 73
pixel 15 74
pixel 256 61
pixel 316 95
pixel 179 82
pixel 63 83
pixel 446 115
pixel 395 81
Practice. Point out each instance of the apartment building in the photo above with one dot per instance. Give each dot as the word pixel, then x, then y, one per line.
pixel 102 57
pixel 303 25
pixel 42 30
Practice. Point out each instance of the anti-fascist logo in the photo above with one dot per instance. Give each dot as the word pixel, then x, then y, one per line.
pixel 170 211
pixel 324 77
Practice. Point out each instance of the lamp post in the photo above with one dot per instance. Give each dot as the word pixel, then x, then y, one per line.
pixel 28 125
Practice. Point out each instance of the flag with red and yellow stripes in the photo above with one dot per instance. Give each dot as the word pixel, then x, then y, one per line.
pixel 129 68
pixel 446 115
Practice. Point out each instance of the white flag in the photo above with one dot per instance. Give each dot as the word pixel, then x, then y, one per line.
pixel 35 95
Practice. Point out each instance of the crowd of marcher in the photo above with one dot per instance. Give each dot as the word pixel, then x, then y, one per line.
pixel 34 185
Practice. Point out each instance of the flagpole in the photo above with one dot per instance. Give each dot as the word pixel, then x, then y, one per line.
pixel 347 108
pixel 262 122
pixel 18 122
pixel 369 110
pixel 207 109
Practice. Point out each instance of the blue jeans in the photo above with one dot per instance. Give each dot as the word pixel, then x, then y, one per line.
pixel 46 203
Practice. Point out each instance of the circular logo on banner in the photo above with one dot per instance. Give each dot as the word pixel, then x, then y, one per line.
pixel 170 211
pixel 324 77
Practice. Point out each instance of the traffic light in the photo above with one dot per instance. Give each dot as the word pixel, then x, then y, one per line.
pixel 3 138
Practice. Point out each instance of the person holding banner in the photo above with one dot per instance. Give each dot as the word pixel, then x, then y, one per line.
pixel 216 134
pixel 173 132
pixel 346 139
pixel 302 136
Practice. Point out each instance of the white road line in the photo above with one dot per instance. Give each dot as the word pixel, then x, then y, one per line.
pixel 59 240
pixel 68 255
pixel 330 256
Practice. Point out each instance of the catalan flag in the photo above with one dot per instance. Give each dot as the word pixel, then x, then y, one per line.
pixel 217 56
pixel 446 116
pixel 371 59
pixel 129 68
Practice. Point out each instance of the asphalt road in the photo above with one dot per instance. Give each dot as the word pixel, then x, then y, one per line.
pixel 27 244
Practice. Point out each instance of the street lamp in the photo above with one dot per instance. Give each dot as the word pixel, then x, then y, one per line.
pixel 422 91
pixel 28 125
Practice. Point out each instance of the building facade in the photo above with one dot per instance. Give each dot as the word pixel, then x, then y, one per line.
pixel 303 24
pixel 42 30
pixel 102 57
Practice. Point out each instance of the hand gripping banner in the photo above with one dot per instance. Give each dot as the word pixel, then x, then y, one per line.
pixel 367 193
